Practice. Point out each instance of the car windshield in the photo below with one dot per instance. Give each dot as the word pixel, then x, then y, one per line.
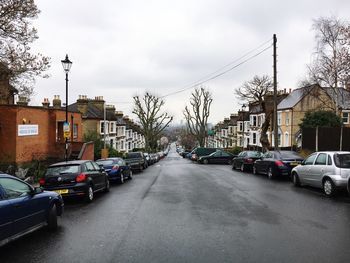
pixel 342 160
pixel 65 169
pixel 133 155
pixel 105 162
pixel 254 154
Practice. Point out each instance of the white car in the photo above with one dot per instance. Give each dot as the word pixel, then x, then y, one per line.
pixel 327 170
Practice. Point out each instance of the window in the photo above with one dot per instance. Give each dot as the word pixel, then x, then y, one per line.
pixel 345 117
pixel 102 127
pixel 75 131
pixel 89 167
pixel 279 139
pixel 329 160
pixel 240 126
pixel 321 159
pixel 14 188
pixel 112 127
pixel 254 138
pixel 286 139
pixel 279 118
pixel 96 166
pixel 287 118
pixel 310 160
pixel 254 120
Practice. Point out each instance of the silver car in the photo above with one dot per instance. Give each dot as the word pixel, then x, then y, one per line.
pixel 327 170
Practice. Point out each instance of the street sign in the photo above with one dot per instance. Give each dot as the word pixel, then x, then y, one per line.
pixel 66 130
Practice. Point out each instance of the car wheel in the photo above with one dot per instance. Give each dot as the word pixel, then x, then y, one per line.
pixel 270 174
pixel 130 175
pixel 233 165
pixel 329 187
pixel 229 162
pixel 107 186
pixel 121 180
pixel 89 194
pixel 295 179
pixel 205 161
pixel 52 218
pixel 254 170
pixel 242 167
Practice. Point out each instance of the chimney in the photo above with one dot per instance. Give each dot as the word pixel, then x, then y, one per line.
pixel 56 102
pixel 98 102
pixel 82 104
pixel 290 90
pixel 119 114
pixel 46 103
pixel 22 101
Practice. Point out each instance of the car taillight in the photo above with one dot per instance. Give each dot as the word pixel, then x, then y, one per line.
pixel 115 167
pixel 249 160
pixel 80 178
pixel 279 163
pixel 42 181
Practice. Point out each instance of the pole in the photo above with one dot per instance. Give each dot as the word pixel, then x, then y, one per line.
pixel 104 125
pixel 341 137
pixel 275 124
pixel 66 140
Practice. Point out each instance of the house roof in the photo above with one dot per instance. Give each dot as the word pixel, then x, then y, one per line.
pixel 343 97
pixel 292 99
pixel 93 112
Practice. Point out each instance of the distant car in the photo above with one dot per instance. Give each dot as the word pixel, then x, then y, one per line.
pixel 245 160
pixel 218 157
pixel 76 178
pixel 24 209
pixel 135 160
pixel 327 170
pixel 202 151
pixel 277 163
pixel 116 168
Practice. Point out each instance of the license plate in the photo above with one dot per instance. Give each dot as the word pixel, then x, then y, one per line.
pixel 62 191
pixel 294 163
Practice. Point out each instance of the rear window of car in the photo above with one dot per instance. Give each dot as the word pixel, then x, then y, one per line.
pixel 342 160
pixel 254 154
pixel 133 155
pixel 105 162
pixel 59 170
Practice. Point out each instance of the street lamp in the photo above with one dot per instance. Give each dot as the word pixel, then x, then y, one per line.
pixel 67 64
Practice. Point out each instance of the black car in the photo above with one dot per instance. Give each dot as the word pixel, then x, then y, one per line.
pixel 75 178
pixel 277 163
pixel 116 168
pixel 24 208
pixel 245 160
pixel 135 160
pixel 218 157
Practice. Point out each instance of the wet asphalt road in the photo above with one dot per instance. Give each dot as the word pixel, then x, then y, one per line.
pixel 178 211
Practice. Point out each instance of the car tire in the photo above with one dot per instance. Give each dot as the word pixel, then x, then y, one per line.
pixel 121 180
pixel 296 180
pixel 52 218
pixel 270 174
pixel 89 194
pixel 329 188
pixel 229 162
pixel 106 190
pixel 242 168
pixel 254 170
pixel 233 165
pixel 130 175
pixel 205 161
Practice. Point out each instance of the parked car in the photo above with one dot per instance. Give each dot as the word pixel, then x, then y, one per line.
pixel 116 168
pixel 202 151
pixel 327 170
pixel 245 160
pixel 75 178
pixel 135 160
pixel 218 157
pixel 277 163
pixel 24 209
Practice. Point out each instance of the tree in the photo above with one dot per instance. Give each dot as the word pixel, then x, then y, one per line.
pixel 93 136
pixel 331 63
pixel 16 35
pixel 320 119
pixel 255 91
pixel 197 119
pixel 153 122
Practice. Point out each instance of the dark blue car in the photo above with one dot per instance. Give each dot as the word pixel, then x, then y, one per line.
pixel 24 209
pixel 116 168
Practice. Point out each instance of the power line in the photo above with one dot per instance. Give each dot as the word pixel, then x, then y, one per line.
pixel 220 74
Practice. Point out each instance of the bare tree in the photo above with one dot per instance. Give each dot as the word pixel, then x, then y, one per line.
pixel 197 116
pixel 16 35
pixel 331 63
pixel 152 120
pixel 255 91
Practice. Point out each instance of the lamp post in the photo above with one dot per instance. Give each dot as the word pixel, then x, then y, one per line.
pixel 243 113
pixel 67 64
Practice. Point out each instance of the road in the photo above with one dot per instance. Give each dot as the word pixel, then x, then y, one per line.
pixel 178 211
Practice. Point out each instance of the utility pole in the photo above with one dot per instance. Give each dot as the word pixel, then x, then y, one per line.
pixel 275 124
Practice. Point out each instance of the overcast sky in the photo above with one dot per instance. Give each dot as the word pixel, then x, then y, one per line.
pixel 123 48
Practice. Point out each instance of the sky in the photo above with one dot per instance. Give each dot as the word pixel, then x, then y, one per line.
pixel 123 48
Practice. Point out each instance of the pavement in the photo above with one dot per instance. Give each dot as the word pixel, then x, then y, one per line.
pixel 179 211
